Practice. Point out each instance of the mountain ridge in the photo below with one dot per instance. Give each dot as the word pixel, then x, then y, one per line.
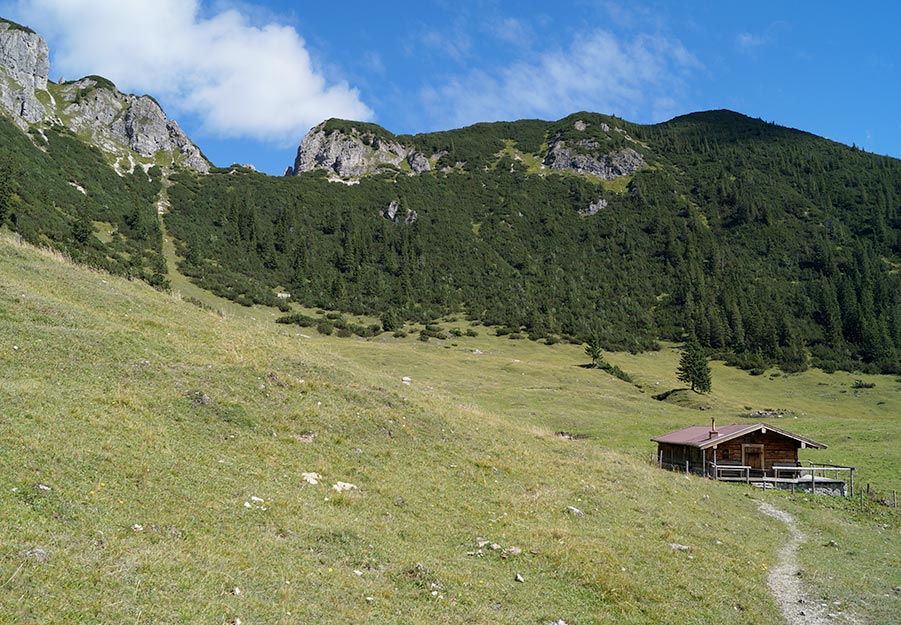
pixel 764 243
pixel 127 127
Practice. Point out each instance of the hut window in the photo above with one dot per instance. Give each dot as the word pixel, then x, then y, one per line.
pixel 725 454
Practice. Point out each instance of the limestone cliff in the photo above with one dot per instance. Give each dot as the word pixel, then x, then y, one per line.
pixel 131 128
pixel 117 122
pixel 25 60
pixel 592 152
pixel 584 157
pixel 355 152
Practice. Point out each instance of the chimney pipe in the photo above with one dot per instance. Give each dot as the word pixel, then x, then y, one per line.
pixel 713 432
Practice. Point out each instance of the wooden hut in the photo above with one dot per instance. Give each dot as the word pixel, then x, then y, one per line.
pixel 759 447
pixel 758 454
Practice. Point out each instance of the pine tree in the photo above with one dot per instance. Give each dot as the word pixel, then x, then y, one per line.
pixel 693 368
pixel 593 350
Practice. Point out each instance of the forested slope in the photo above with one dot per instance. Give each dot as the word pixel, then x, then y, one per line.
pixel 766 243
pixel 55 190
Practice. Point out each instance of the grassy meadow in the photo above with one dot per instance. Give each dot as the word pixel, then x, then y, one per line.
pixel 157 460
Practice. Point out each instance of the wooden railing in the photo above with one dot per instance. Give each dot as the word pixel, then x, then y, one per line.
pixel 814 469
pixel 720 471
pixel 800 472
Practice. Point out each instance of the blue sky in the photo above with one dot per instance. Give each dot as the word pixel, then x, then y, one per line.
pixel 247 79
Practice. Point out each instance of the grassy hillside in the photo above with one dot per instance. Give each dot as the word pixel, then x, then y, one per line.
pixel 152 458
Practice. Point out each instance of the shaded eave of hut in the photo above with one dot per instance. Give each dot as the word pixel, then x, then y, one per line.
pixel 705 437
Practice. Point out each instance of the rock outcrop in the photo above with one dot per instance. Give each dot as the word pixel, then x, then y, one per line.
pixel 584 157
pixel 355 154
pixel 25 61
pixel 594 208
pixel 393 213
pixel 121 124
pixel 116 120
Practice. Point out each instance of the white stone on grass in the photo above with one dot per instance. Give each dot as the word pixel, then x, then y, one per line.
pixel 311 478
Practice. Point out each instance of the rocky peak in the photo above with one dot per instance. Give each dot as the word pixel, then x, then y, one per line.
pixel 115 121
pixel 355 152
pixel 25 61
pixel 120 124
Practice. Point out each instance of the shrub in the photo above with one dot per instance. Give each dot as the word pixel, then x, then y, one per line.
pixel 618 373
pixel 297 319
pixel 390 320
pixel 344 333
pixel 325 327
pixel 746 361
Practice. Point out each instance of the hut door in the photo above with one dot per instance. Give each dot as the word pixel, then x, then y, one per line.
pixel 752 456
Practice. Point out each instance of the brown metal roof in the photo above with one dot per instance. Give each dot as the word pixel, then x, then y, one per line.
pixel 699 435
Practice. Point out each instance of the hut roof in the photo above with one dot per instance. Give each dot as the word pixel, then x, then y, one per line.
pixel 700 435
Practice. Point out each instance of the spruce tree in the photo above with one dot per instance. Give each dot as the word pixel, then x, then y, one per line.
pixel 693 368
pixel 593 350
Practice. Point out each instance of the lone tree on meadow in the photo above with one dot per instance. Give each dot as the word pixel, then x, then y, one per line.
pixel 593 350
pixel 693 368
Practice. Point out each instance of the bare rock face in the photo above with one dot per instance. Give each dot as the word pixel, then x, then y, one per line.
pixel 24 66
pixel 354 154
pixel 117 121
pixel 583 158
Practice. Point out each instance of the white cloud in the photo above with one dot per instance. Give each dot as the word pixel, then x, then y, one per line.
pixel 596 72
pixel 240 79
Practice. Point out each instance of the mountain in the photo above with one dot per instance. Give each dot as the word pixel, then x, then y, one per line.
pixel 765 243
pixel 83 166
pixel 130 129
pixel 354 149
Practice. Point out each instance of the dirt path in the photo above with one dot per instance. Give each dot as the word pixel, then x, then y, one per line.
pixel 796 604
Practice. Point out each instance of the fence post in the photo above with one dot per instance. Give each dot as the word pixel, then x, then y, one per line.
pixel 686 467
